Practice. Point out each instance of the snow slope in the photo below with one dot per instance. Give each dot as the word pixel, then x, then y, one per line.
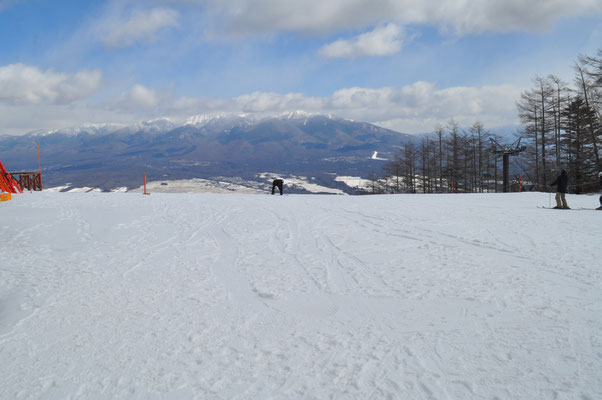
pixel 208 296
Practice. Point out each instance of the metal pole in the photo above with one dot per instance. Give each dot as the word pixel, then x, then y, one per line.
pixel 40 166
pixel 505 167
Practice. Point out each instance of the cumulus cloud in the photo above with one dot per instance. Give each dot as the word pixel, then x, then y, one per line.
pixel 309 16
pixel 326 16
pixel 139 97
pixel 423 102
pixel 412 108
pixel 139 26
pixel 381 41
pixel 138 103
pixel 22 84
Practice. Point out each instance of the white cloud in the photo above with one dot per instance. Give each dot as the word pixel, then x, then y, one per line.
pixel 140 26
pixel 323 16
pixel 412 109
pixel 22 84
pixel 419 104
pixel 139 97
pixel 17 120
pixel 381 41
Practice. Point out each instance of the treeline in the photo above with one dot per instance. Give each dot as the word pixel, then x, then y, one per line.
pixel 561 129
pixel 450 160
pixel 562 126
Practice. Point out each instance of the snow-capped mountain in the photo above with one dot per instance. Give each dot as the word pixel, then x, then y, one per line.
pixel 159 125
pixel 114 155
pixel 201 121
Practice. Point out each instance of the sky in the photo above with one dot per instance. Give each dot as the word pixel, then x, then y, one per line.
pixel 406 65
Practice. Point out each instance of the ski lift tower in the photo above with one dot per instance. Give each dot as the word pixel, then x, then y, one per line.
pixel 506 152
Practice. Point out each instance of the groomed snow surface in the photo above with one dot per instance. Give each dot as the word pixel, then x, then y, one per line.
pixel 241 296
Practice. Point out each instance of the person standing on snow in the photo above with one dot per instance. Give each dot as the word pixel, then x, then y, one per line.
pixel 600 176
pixel 562 185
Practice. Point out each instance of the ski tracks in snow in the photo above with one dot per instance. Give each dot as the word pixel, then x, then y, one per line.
pixel 244 297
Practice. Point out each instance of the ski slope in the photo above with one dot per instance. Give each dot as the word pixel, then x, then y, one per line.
pixel 242 296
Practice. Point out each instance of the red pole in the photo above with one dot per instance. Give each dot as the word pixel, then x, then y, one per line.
pixel 520 183
pixel 40 166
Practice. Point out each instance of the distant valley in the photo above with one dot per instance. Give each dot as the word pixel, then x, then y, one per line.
pixel 317 148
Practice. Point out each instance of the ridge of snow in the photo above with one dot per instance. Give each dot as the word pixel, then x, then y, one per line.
pixel 157 125
pixel 304 115
pixel 87 127
pixel 162 125
pixel 207 119
pixel 298 114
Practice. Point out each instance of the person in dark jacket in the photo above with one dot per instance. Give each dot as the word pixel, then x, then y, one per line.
pixel 278 183
pixel 600 176
pixel 562 185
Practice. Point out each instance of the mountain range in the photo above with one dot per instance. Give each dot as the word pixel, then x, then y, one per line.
pixel 107 156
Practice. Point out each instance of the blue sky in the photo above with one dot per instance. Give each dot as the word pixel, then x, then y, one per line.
pixel 401 64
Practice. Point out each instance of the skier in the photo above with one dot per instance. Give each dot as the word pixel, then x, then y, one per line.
pixel 278 183
pixel 562 184
pixel 600 176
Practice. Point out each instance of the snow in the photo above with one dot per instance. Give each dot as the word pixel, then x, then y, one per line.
pixel 214 185
pixel 206 119
pixel 247 296
pixel 84 189
pixel 301 182
pixel 162 125
pixel 57 188
pixel 69 188
pixel 198 185
pixel 353 181
pixel 298 114
pixel 376 157
pixel 158 125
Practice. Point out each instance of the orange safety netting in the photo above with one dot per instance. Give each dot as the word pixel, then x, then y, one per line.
pixel 7 182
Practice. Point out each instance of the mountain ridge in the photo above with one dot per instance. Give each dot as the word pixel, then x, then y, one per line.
pixel 115 155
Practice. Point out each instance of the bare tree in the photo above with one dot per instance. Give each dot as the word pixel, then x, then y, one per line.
pixel 590 90
pixel 545 93
pixel 394 170
pixel 578 118
pixel 439 131
pixel 410 167
pixel 592 67
pixel 454 166
pixel 561 96
pixel 425 160
pixel 375 185
pixel 536 113
pixel 480 137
